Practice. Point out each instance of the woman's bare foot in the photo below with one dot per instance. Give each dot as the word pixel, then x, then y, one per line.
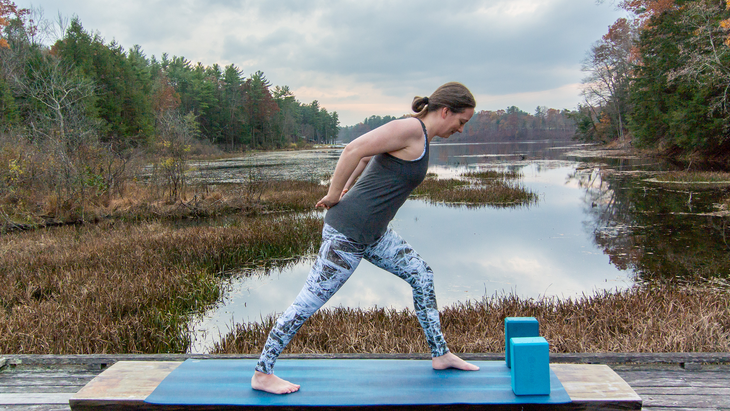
pixel 271 383
pixel 450 360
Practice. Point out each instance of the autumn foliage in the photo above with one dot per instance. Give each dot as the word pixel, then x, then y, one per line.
pixel 7 10
pixel 662 79
pixel 646 9
pixel 725 24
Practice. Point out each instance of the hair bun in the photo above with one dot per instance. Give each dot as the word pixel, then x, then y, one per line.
pixel 419 103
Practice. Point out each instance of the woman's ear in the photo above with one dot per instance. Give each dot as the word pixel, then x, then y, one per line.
pixel 444 112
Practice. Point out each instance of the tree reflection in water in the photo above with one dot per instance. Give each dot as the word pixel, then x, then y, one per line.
pixel 660 232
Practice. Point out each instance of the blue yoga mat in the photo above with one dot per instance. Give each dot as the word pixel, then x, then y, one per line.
pixel 346 383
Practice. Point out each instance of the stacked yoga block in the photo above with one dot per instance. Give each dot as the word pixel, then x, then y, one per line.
pixel 527 355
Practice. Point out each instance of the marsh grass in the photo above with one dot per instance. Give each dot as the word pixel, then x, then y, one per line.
pixel 494 174
pixel 141 202
pixel 124 287
pixel 649 318
pixel 256 198
pixel 477 189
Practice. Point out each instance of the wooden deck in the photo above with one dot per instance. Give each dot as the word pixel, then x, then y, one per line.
pixel 691 381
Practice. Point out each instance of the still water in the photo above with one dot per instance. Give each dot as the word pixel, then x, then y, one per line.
pixel 563 246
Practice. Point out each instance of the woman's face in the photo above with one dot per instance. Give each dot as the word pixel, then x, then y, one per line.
pixel 454 122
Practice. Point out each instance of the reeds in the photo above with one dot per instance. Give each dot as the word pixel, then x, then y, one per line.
pixel 142 203
pixel 494 174
pixel 659 318
pixel 477 189
pixel 121 287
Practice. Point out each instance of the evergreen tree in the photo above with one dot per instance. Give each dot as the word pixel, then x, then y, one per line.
pixel 9 115
pixel 123 83
pixel 674 111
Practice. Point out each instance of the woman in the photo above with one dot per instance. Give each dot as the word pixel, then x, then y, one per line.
pixel 394 158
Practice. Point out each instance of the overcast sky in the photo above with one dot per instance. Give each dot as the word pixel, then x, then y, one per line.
pixel 365 57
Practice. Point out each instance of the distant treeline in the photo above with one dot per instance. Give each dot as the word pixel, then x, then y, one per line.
pixel 512 124
pixel 349 133
pixel 84 85
pixel 662 78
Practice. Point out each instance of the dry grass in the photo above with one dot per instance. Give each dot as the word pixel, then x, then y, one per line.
pixel 493 174
pixel 479 189
pixel 122 287
pixel 661 318
pixel 142 202
pixel 260 197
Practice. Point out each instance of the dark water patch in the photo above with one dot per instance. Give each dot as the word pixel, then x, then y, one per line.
pixel 658 232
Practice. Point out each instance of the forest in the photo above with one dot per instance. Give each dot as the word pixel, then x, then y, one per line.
pixel 661 80
pixel 82 118
pixel 82 86
pixel 511 124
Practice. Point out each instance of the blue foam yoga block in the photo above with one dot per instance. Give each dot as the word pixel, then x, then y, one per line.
pixel 530 366
pixel 518 327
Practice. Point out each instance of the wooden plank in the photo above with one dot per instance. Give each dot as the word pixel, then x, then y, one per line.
pixel 48 376
pixel 640 358
pixel 126 383
pixel 29 382
pixel 28 399
pixel 593 383
pixel 700 401
pixel 683 390
pixel 642 379
pixel 37 407
pixel 680 374
pixel 52 374
pixel 72 389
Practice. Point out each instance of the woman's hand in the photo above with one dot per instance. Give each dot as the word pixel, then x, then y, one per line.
pixel 344 191
pixel 327 202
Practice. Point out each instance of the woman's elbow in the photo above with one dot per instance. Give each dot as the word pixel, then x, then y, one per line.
pixel 353 152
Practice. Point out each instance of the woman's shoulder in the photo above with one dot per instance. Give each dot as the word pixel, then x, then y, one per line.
pixel 408 126
pixel 410 120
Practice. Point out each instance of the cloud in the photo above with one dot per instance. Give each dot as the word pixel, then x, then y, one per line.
pixel 375 52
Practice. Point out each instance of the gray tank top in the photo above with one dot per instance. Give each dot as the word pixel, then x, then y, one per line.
pixel 364 212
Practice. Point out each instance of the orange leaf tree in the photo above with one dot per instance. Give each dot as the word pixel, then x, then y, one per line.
pixel 7 10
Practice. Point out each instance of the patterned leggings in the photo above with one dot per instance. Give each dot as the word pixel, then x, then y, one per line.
pixel 338 258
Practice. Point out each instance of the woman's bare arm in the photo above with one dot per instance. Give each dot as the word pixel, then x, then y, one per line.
pixel 355 174
pixel 390 137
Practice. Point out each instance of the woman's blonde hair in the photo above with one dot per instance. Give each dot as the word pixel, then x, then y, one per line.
pixel 454 96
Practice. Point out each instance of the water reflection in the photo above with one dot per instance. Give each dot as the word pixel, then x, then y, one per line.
pixel 660 232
